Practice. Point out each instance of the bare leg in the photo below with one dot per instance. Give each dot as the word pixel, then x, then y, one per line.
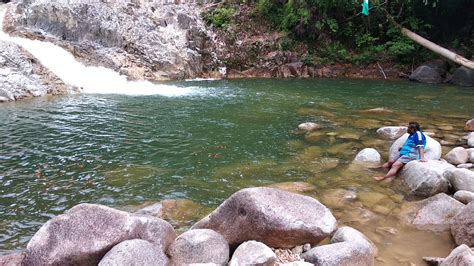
pixel 396 166
pixel 388 164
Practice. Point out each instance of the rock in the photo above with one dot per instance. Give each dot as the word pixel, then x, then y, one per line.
pixel 295 187
pixel 457 156
pixel 368 155
pixel 460 256
pixel 425 178
pixel 391 132
pixel 338 197
pixel 464 196
pixel 469 125
pixel 315 136
pixel 348 247
pixel 465 165
pixel 463 77
pixel 246 215
pixel 135 252
pixel 439 65
pixel 460 179
pixel 12 259
pixel 434 261
pixel 371 198
pixel 426 74
pixel 199 246
pixel 432 150
pixel 470 153
pixel 378 110
pixel 253 253
pixel 86 232
pixel 470 140
pixel 462 228
pixel 436 212
pixel 308 127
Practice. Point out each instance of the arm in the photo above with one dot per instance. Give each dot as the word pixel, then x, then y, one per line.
pixel 422 154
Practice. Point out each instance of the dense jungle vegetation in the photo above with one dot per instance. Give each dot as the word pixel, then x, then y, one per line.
pixel 337 31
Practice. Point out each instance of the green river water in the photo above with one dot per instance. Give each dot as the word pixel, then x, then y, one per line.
pixel 125 152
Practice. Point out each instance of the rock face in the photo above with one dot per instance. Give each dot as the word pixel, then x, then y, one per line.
pixel 269 215
pixel 22 76
pixel 457 156
pixel 152 39
pixel 432 151
pixel 463 77
pixel 464 196
pixel 426 178
pixel 85 233
pixel 135 252
pixel 348 247
pixel 426 74
pixel 253 253
pixel 391 132
pixel 460 256
pixel 199 246
pixel 462 226
pixel 460 179
pixel 368 155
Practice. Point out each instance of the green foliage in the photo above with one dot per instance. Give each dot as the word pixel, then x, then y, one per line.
pixel 219 17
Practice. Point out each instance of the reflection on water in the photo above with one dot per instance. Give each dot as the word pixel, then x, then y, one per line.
pixel 132 151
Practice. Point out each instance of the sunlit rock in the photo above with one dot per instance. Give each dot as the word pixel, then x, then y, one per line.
pixel 253 253
pixel 135 252
pixel 245 215
pixel 391 132
pixel 199 246
pixel 295 187
pixel 368 155
pixel 461 256
pixel 432 151
pixel 469 125
pixel 86 232
pixel 457 156
pixel 464 196
pixel 425 178
pixel 308 127
pixel 462 226
pixel 460 179
pixel 465 165
pixel 348 247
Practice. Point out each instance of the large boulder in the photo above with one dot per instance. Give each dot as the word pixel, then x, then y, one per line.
pixel 348 247
pixel 462 226
pixel 439 65
pixel 460 256
pixel 463 76
pixel 460 179
pixel 135 252
pixel 432 150
pixel 86 232
pixel 199 246
pixel 12 259
pixel 469 125
pixel 391 132
pixel 464 196
pixel 426 178
pixel 434 213
pixel 274 217
pixel 368 155
pixel 253 253
pixel 426 74
pixel 457 156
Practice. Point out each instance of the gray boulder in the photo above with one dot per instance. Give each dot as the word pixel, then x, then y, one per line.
pixel 426 178
pixel 457 156
pixel 368 155
pixel 135 252
pixel 464 196
pixel 439 65
pixel 199 246
pixel 348 247
pixel 426 74
pixel 253 253
pixel 463 76
pixel 432 151
pixel 86 232
pixel 470 140
pixel 460 256
pixel 269 215
pixel 391 132
pixel 460 179
pixel 462 226
pixel 12 259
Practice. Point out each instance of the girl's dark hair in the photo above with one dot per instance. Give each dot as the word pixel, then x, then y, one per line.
pixel 414 125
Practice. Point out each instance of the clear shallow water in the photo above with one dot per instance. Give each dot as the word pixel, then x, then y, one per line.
pixel 122 151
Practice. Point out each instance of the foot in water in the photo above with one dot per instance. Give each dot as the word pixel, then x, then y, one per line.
pixel 379 178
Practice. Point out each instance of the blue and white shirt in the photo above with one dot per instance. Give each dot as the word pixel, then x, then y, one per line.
pixel 410 148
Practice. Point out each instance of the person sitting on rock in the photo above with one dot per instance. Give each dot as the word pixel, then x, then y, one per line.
pixel 412 149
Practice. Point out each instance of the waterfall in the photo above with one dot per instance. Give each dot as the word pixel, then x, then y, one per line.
pixel 94 80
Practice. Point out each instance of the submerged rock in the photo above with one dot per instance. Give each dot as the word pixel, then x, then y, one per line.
pixel 268 215
pixel 86 232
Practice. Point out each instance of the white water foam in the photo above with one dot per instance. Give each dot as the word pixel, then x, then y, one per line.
pixel 94 80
